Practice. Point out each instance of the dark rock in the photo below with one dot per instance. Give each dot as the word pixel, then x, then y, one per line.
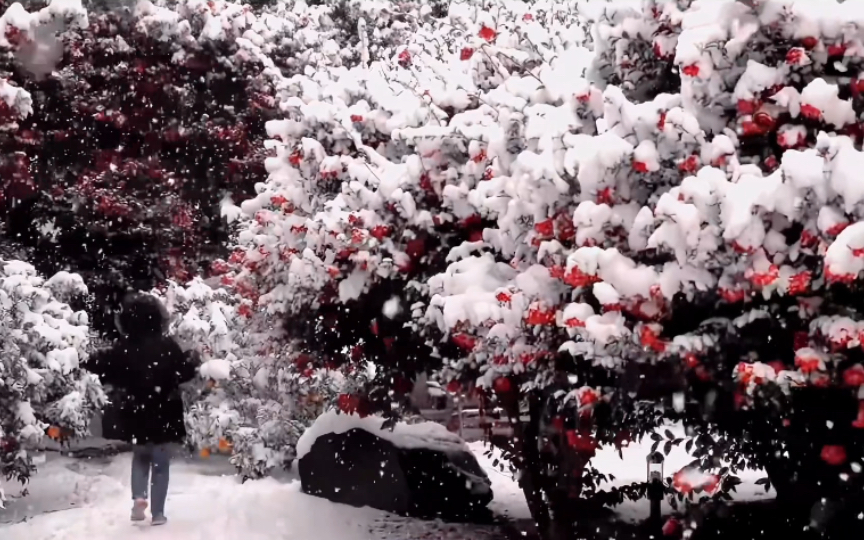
pixel 359 468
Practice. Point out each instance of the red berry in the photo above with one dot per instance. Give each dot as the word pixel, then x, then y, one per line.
pixel 466 53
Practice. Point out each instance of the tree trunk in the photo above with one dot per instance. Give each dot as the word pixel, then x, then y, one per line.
pixel 548 506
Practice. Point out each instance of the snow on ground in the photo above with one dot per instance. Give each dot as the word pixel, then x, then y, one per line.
pixel 75 499
pixel 89 500
pixel 509 500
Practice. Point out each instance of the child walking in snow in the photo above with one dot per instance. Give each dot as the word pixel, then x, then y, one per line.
pixel 146 367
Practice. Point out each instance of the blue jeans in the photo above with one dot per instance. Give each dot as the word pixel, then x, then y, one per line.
pixel 150 464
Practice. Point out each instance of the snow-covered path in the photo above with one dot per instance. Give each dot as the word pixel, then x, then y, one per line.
pixel 73 499
pixel 89 500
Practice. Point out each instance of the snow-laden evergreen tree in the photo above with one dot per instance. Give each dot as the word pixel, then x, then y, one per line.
pixel 45 389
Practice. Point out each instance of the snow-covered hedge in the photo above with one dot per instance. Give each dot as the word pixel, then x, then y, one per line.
pixel 44 386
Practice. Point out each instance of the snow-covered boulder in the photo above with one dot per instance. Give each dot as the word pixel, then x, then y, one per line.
pixel 415 469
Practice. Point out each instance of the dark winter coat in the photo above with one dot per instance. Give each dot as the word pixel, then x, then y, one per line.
pixel 145 369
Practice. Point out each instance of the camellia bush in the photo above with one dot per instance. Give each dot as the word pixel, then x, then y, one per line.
pixel 245 403
pixel 381 218
pixel 124 129
pixel 546 202
pixel 771 209
pixel 44 388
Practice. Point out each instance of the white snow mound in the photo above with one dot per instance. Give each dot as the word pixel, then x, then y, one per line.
pixel 426 435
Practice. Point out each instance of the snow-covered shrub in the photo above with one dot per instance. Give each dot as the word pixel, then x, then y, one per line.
pixel 44 387
pixel 141 120
pixel 245 404
pixel 504 182
pixel 385 174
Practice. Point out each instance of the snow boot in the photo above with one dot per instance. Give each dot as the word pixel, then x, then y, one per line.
pixel 159 520
pixel 138 510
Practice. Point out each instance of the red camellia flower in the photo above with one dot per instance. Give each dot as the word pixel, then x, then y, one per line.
pixel 811 112
pixel 466 53
pixel 545 228
pixel 465 341
pixel 809 42
pixel 672 527
pixel 854 376
pixel 649 338
pixel 691 71
pixel 750 128
pixel 575 323
pixel 503 297
pixel 489 34
pixel 763 279
pixel 837 228
pixel 578 278
pixel 799 283
pixel 640 166
pixel 747 106
pixel 588 397
pixel 837 49
pixel 380 232
pixel 833 454
pixel 348 403
pixel 454 387
pixel 806 361
pixel 604 196
pixel 540 317
pixel 404 58
pixel 859 422
pixel 689 165
pixel 733 296
pixel 764 120
pixel 583 444
pixel 661 122
pixel 502 385
pixel 795 56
